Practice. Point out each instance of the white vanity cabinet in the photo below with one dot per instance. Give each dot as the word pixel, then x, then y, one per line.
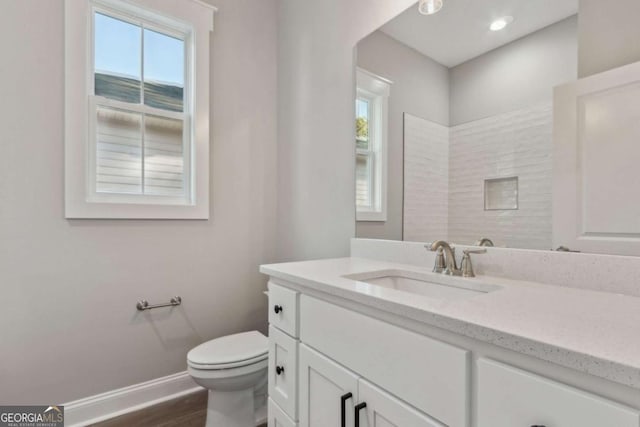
pixel 332 365
pixel 338 352
pixel 331 395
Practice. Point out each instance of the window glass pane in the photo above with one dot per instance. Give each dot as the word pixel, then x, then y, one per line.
pixel 363 181
pixel 118 151
pixel 117 59
pixel 163 156
pixel 163 71
pixel 362 123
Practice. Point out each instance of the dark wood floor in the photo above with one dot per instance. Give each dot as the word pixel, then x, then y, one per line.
pixel 186 411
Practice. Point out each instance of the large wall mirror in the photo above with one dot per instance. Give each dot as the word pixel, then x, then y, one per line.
pixel 454 122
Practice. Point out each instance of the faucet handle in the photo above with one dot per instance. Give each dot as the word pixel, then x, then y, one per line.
pixel 440 264
pixel 467 267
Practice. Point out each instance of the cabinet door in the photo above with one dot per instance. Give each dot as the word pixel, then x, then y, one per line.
pixel 431 375
pixel 384 410
pixel 283 371
pixel 509 397
pixel 323 383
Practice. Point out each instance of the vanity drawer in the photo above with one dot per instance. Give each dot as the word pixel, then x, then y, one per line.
pixel 283 371
pixel 277 417
pixel 428 374
pixel 283 309
pixel 510 397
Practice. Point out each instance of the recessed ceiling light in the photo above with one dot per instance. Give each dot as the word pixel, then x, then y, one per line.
pixel 429 7
pixel 501 23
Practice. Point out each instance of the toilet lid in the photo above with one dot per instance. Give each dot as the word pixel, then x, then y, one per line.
pixel 231 349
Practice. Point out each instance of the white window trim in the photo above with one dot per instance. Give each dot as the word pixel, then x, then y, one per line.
pixel 192 17
pixel 376 89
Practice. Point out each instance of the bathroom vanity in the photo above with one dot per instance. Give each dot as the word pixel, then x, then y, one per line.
pixel 362 342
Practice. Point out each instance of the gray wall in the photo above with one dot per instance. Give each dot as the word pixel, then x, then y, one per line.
pixel 69 325
pixel 609 34
pixel 421 88
pixel 517 75
pixel 316 92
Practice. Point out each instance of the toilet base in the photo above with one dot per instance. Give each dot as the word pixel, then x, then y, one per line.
pixel 231 409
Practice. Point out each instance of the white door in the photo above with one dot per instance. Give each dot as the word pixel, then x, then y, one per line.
pixel 327 390
pixel 595 163
pixel 384 410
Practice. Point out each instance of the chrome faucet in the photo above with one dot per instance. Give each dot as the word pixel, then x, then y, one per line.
pixel 446 259
pixel 485 241
pixel 450 266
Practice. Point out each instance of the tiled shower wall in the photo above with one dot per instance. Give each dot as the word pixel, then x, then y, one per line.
pixel 426 179
pixel 517 143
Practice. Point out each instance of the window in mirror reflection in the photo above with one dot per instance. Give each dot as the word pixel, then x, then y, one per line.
pixel 363 156
pixel 371 146
pixel 362 123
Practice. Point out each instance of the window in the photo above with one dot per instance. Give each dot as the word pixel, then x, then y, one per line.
pixel 136 143
pixel 371 146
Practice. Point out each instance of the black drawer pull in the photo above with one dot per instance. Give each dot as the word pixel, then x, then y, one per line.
pixel 343 415
pixel 358 407
pixel 277 308
pixel 279 370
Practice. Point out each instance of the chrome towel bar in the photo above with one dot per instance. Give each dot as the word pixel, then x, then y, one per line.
pixel 144 304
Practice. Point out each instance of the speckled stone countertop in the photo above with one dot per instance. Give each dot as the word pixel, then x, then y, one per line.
pixel 594 332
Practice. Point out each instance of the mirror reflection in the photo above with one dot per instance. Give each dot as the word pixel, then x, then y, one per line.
pixel 454 122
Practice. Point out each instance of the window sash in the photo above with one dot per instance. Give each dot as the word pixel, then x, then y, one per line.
pixel 146 20
pixel 92 170
pixel 370 159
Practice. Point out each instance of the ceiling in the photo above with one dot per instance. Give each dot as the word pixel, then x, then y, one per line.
pixel 460 31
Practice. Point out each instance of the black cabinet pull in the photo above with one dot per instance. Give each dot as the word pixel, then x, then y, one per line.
pixel 358 407
pixel 343 410
pixel 279 370
pixel 538 425
pixel 277 308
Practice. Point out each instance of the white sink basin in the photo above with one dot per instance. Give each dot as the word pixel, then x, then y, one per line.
pixel 432 285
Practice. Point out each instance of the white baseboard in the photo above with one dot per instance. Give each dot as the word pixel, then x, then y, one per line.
pixel 113 403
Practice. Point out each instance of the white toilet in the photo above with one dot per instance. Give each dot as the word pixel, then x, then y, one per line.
pixel 234 370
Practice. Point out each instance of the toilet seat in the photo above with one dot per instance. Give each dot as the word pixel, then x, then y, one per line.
pixel 231 374
pixel 238 364
pixel 232 351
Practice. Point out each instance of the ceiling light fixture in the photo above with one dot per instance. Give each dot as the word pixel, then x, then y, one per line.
pixel 501 23
pixel 429 7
